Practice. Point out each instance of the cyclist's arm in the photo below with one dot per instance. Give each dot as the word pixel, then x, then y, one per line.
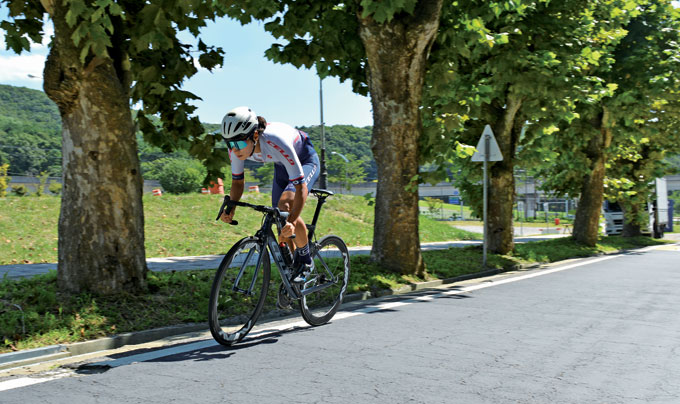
pixel 235 194
pixel 236 190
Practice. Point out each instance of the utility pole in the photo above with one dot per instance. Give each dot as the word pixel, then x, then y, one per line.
pixel 324 173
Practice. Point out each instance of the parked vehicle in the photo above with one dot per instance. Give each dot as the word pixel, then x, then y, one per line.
pixel 613 215
pixel 657 211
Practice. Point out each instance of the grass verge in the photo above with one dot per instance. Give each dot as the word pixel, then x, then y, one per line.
pixel 181 225
pixel 34 314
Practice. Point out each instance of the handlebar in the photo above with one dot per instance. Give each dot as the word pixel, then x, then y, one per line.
pixel 229 204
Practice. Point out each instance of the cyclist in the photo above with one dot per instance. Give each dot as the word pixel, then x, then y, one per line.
pixel 296 168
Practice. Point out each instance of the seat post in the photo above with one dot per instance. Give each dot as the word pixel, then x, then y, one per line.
pixel 317 211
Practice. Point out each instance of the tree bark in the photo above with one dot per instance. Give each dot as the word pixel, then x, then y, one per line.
pixel 502 179
pixel 101 223
pixel 631 229
pixel 587 220
pixel 397 52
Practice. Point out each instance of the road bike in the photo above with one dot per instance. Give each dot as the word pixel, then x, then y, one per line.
pixel 239 290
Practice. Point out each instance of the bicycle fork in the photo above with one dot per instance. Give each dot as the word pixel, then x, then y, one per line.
pixel 249 291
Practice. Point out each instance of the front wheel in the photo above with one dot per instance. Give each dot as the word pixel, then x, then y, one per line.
pixel 239 291
pixel 326 284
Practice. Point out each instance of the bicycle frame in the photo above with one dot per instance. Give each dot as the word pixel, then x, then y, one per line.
pixel 267 239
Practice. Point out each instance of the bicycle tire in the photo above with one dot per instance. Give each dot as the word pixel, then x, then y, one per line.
pixel 233 313
pixel 330 254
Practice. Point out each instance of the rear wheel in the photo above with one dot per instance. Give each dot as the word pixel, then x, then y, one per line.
pixel 239 291
pixel 326 284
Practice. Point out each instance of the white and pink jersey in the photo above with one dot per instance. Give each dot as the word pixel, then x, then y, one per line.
pixel 281 144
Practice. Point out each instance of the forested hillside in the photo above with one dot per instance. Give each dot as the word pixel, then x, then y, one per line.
pixel 350 141
pixel 30 137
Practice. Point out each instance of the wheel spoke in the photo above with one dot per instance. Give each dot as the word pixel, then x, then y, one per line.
pixel 325 288
pixel 233 310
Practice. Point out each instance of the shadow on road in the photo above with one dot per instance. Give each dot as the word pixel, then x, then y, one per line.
pixel 207 350
pixel 200 351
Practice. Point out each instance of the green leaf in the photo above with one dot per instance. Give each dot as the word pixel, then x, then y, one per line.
pixel 464 150
pixel 84 52
pixel 77 9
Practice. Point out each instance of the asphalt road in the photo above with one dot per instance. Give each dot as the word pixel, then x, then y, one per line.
pixel 602 330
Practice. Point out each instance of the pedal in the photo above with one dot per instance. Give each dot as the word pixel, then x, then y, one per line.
pixel 306 271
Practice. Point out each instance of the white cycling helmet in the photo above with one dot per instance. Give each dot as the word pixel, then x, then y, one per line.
pixel 238 123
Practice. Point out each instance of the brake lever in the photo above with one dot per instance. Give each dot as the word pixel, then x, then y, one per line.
pixel 282 222
pixel 225 204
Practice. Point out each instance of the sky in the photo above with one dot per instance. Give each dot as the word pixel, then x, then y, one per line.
pixel 278 92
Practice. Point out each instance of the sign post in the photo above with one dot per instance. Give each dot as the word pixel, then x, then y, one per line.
pixel 487 150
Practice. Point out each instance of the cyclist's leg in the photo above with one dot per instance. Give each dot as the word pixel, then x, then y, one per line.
pixel 310 168
pixel 278 194
pixel 285 204
pixel 279 184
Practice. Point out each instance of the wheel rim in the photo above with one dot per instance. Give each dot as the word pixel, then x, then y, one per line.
pixel 239 299
pixel 329 264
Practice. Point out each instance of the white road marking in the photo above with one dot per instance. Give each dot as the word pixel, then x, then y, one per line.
pixel 27 381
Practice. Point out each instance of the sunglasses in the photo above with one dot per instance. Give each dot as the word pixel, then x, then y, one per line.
pixel 238 144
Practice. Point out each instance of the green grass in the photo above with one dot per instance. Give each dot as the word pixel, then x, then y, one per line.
pixel 565 248
pixel 33 313
pixel 181 225
pixel 28 229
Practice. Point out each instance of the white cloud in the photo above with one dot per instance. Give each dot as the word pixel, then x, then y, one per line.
pixel 19 67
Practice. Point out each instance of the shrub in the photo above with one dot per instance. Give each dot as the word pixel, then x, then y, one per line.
pixel 55 188
pixel 179 176
pixel 40 188
pixel 4 179
pixel 19 190
pixel 434 205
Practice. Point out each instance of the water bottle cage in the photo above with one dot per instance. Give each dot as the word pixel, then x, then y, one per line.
pixel 285 253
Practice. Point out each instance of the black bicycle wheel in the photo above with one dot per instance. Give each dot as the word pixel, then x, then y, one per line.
pixel 239 291
pixel 325 286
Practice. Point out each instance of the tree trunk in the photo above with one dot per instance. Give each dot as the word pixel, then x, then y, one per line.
pixel 587 220
pixel 635 215
pixel 397 52
pixel 631 229
pixel 101 224
pixel 502 179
